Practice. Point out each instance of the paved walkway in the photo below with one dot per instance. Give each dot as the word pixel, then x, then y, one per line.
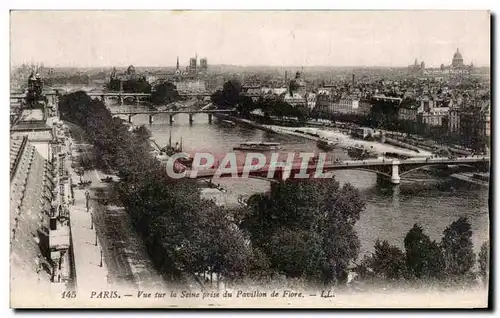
pixel 90 265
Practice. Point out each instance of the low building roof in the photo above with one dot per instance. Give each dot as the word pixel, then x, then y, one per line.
pixel 59 239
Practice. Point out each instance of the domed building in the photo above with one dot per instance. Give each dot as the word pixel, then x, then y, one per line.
pixel 458 60
pixel 298 85
pixel 457 67
pixel 296 93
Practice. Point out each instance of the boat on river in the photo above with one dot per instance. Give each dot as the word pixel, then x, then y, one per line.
pixel 360 153
pixel 169 150
pixel 227 123
pixel 258 146
pixel 326 144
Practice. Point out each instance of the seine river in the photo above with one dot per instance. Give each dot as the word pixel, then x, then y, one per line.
pixel 433 202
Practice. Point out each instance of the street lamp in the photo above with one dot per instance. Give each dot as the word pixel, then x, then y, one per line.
pixel 87 199
pixel 100 264
pixel 95 238
pixel 91 221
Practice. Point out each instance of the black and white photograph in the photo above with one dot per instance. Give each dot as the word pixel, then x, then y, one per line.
pixel 250 159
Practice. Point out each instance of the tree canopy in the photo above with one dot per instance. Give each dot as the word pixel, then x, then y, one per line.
pixel 165 92
pixel 306 228
pixel 452 260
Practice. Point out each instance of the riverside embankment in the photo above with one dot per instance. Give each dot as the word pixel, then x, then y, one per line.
pixel 335 135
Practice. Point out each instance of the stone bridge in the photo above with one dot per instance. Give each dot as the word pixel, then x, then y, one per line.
pixel 171 113
pixel 389 169
pixel 121 96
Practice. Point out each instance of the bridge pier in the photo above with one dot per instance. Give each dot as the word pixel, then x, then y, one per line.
pixel 150 119
pixel 103 99
pixel 171 119
pixel 190 118
pixel 120 100
pixel 137 100
pixel 210 118
pixel 130 118
pixel 395 179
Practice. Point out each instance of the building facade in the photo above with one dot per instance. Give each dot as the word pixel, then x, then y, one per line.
pixel 407 113
pixel 327 104
pixel 191 86
pixel 437 116
pixel 454 120
pixel 295 99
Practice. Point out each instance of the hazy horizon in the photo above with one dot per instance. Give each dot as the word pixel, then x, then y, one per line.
pixel 283 39
pixel 124 67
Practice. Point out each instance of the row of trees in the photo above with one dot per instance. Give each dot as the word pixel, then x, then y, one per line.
pixel 132 85
pixel 231 96
pixel 452 260
pixel 163 93
pixel 183 233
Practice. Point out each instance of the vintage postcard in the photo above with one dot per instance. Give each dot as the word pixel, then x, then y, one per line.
pixel 249 159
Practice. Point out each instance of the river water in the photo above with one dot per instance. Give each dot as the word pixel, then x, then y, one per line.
pixel 432 202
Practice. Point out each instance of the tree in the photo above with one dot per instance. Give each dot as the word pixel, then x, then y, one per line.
pixel 229 96
pixel 484 260
pixel 245 106
pixel 136 85
pixel 458 249
pixel 311 220
pixel 387 261
pixel 165 92
pixel 290 252
pixel 424 258
pixel 80 172
pixel 142 133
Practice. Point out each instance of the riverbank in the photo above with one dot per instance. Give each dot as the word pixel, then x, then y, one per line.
pixel 344 140
pixel 473 178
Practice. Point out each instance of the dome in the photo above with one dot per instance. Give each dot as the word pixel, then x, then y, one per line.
pixel 458 60
pixel 297 81
pixel 457 56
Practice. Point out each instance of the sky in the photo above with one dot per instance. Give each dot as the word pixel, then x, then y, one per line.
pixel 274 38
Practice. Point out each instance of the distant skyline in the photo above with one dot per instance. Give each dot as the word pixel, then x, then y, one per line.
pixel 249 38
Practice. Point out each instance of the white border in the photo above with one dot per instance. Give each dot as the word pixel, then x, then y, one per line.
pixel 190 4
